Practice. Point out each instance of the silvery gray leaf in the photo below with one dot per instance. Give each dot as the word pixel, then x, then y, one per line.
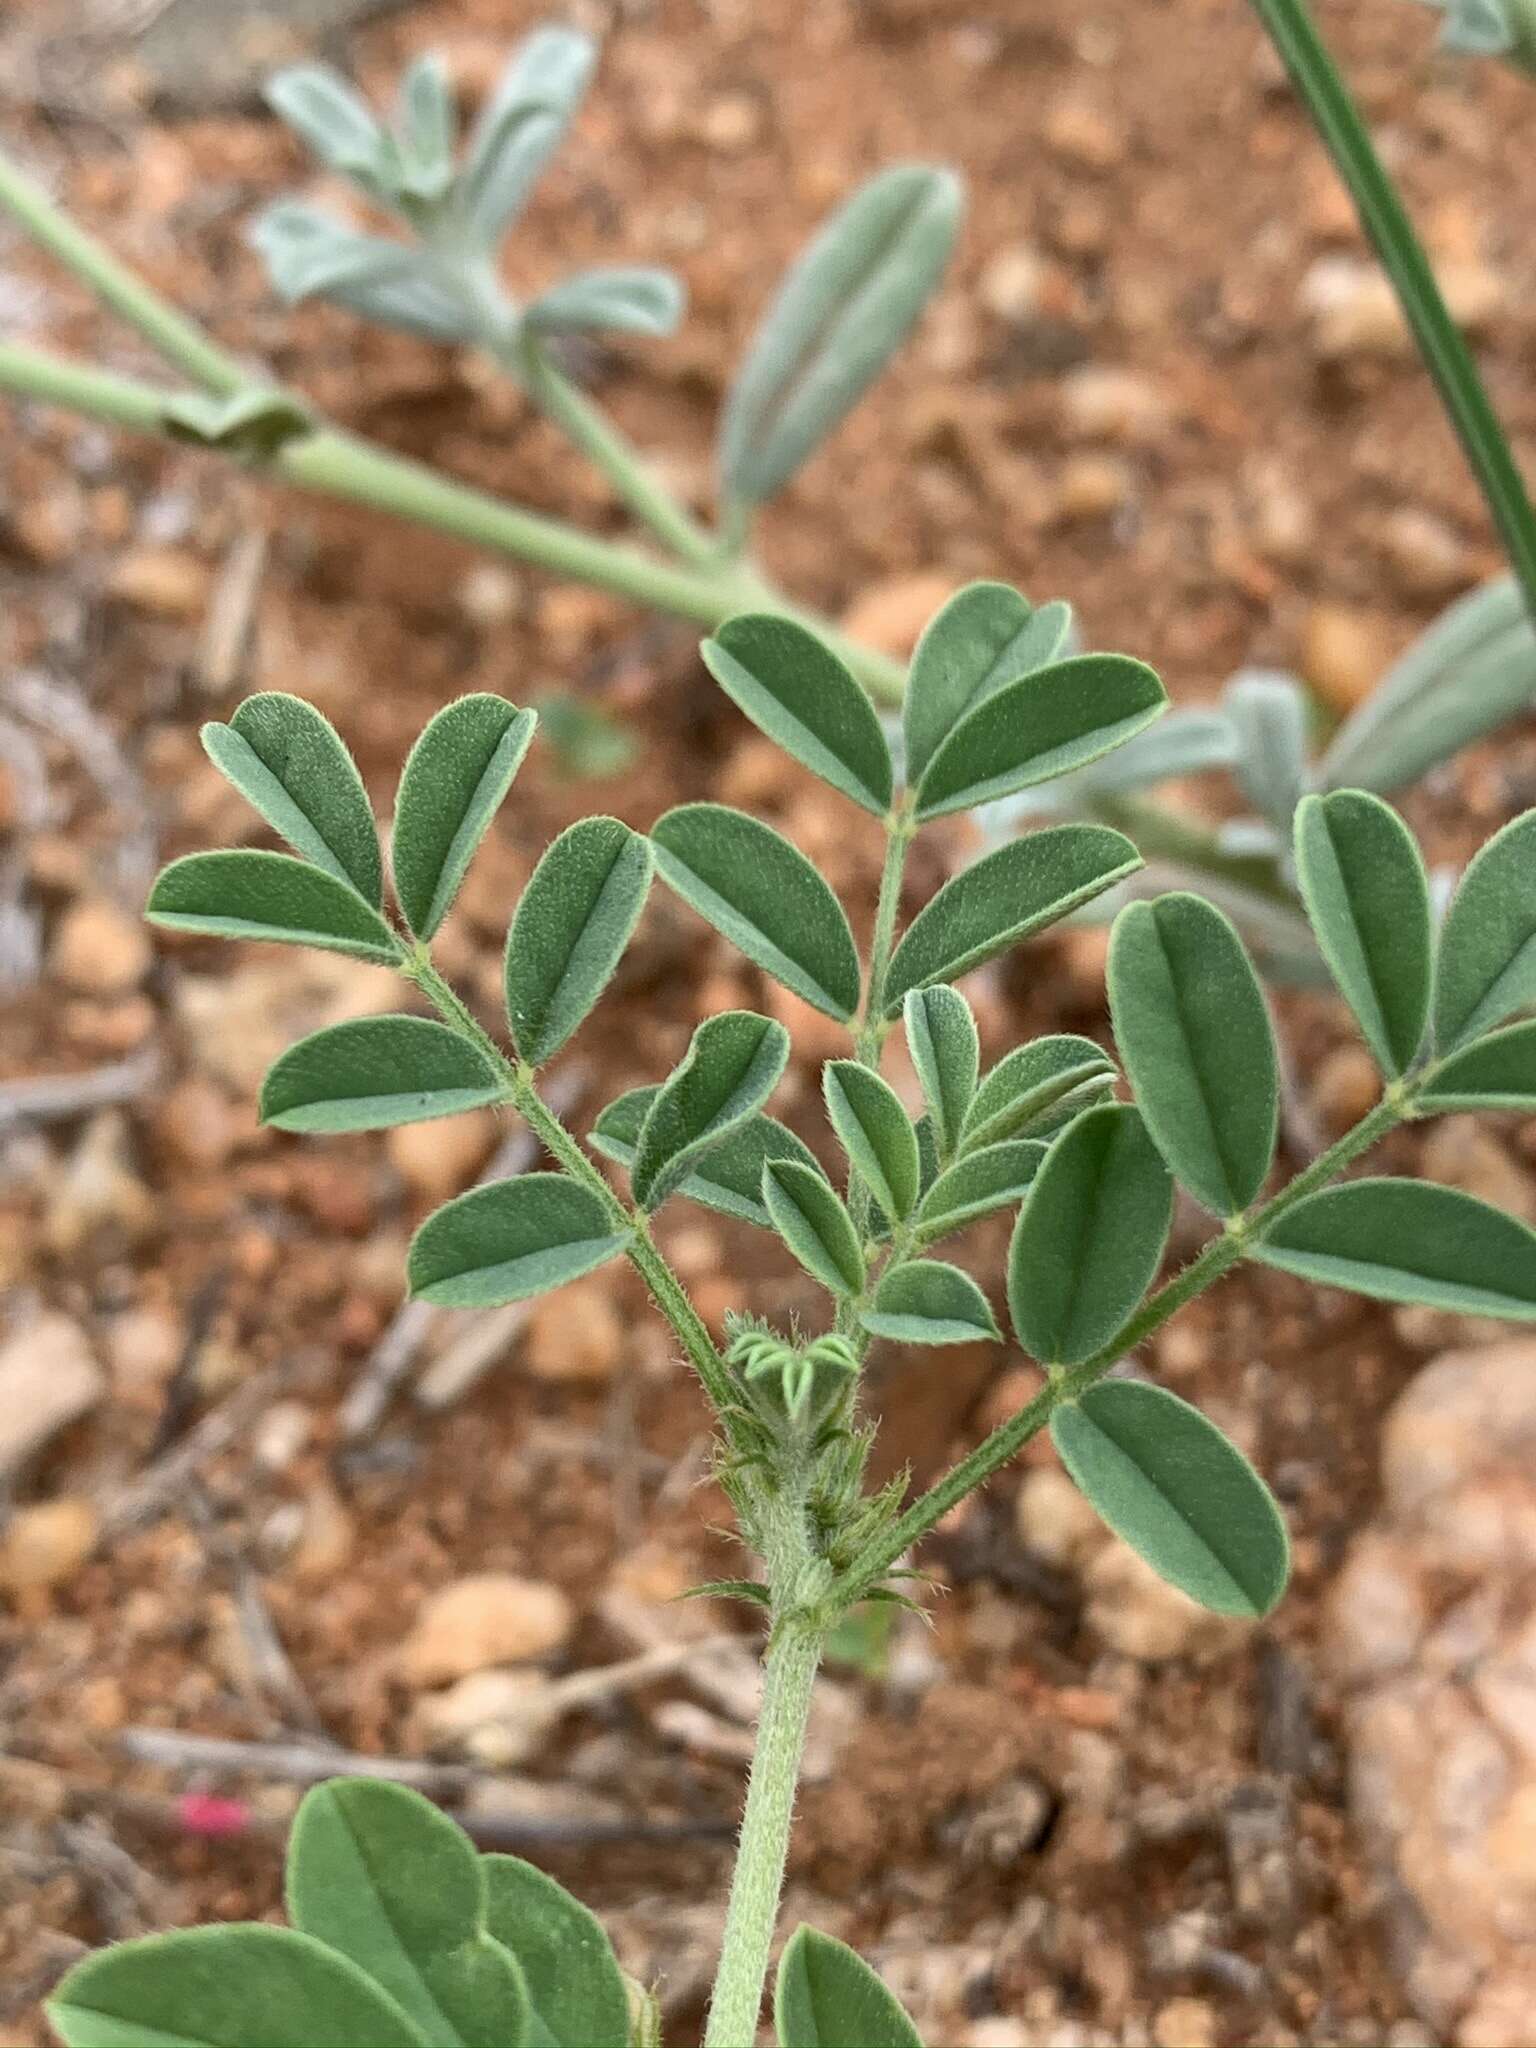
pixel 321 107
pixel 310 255
pixel 521 128
pixel 1473 669
pixel 1268 713
pixel 624 299
pixel 426 124
pixel 843 310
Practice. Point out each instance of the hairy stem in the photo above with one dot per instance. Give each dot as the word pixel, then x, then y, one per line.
pixel 1217 1258
pixel 1446 356
pixel 789 1678
pixel 667 1291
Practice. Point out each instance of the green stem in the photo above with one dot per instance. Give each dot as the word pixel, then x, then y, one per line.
pixel 180 340
pixel 789 1678
pixel 1217 1258
pixel 667 1291
pixel 591 430
pixel 1382 215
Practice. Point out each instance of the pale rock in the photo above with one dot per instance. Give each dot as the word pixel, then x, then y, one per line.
pixel 282 1435
pixel 1011 285
pixel 1141 1616
pixel 142 1346
pixel 1100 402
pixel 1084 135
pixel 1432 1628
pixel 440 1158
pixel 1429 558
pixel 100 949
pixel 1462 1152
pixel 1345 1084
pixel 166 581
pixel 1185 2023
pixel 326 1538
pixel 731 123
pixel 1343 655
pixel 575 1334
pixel 1091 487
pixel 238 1023
pixel 488 1618
pixel 197 1123
pixel 1353 310
pixel 890 615
pixel 499 1718
pixel 42 1546
pixel 98 1189
pixel 49 1378
pixel 1055 1521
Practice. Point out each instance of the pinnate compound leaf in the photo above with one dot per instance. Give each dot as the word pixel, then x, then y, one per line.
pixel 986 636
pixel 1090 1235
pixel 844 309
pixel 376 1072
pixel 1036 1088
pixel 928 1301
pixel 729 1176
pixel 794 688
pixel 1496 1072
pixel 574 1982
pixel 290 764
pixel 1488 943
pixel 732 1066
pixel 383 1877
pixel 994 1178
pixel 946 1052
pixel 619 299
pixel 827 1997
pixel 574 920
pixel 765 897
pixel 1363 882
pixel 310 254
pixel 1002 898
pixel 1172 1486
pixel 1194 1034
pixel 1043 725
pixel 1409 1241
pixel 454 780
pixel 243 1986
pixel 258 895
pixel 875 1132
pixel 809 1215
pixel 509 1241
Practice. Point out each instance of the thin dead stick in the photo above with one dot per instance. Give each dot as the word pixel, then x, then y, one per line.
pixel 309 1764
pixel 397 1350
pixel 469 1356
pixel 47 1098
pixel 162 1485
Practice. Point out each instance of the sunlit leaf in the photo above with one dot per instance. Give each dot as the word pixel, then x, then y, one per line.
pixel 1409 1241
pixel 994 1178
pixel 574 1982
pixel 1036 1088
pixel 828 1998
pixel 511 1240
pixel 728 1177
pixel 1090 1236
pixel 454 781
pixel 290 764
pixel 765 897
pixel 1363 882
pixel 573 921
pixel 1496 1072
pixel 1172 1486
pixel 811 1219
pixel 1194 1035
pixel 376 1072
pixel 985 636
pixel 1002 898
pixel 1487 962
pixel 926 1301
pixel 732 1066
pixel 875 1132
pixel 946 1052
pixel 259 895
pixel 792 686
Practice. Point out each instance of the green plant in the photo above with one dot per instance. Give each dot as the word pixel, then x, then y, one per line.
pixel 837 318
pixel 399 1935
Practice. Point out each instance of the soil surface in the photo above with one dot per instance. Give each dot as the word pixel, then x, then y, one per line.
pixel 1160 382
